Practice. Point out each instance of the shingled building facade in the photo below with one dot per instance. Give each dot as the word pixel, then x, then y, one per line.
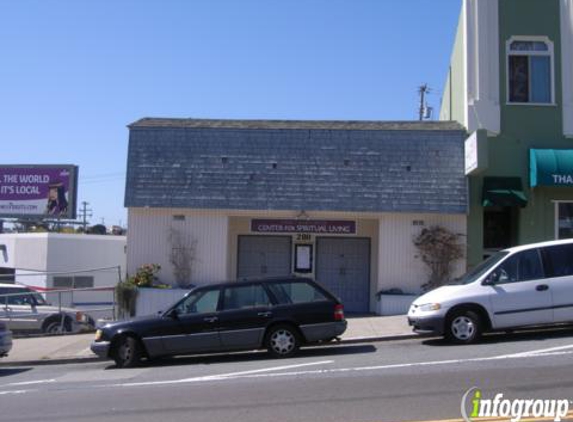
pixel 339 201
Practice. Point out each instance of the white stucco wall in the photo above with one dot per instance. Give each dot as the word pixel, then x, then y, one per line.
pixel 148 242
pixel 398 263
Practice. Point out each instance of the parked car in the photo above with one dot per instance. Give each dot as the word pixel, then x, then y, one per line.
pixel 522 286
pixel 5 339
pixel 25 310
pixel 276 314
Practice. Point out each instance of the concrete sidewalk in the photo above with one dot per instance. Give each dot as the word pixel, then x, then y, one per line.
pixel 76 348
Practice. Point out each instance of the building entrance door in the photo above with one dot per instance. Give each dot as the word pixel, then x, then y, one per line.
pixel 264 256
pixel 499 228
pixel 343 266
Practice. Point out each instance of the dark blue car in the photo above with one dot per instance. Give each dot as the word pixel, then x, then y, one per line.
pixel 277 314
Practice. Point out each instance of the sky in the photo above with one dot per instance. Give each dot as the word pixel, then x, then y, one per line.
pixel 74 74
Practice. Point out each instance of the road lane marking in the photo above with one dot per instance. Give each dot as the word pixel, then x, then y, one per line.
pixel 5 393
pixel 263 373
pixel 230 375
pixel 14 384
pixel 540 351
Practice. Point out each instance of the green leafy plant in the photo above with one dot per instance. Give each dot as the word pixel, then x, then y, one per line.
pixel 126 291
pixel 125 296
pixel 439 248
pixel 145 275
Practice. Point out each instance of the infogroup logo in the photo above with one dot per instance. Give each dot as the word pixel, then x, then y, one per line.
pixel 474 406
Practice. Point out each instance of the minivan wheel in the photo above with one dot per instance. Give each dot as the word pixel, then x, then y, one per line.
pixel 282 341
pixel 464 327
pixel 127 352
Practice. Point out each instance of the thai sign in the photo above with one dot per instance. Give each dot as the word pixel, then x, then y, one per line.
pixel 304 226
pixel 551 167
pixel 38 191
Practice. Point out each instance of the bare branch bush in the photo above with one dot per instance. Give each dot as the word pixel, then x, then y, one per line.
pixel 439 249
pixel 182 255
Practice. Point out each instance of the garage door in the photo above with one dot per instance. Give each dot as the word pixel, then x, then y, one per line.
pixel 264 256
pixel 343 266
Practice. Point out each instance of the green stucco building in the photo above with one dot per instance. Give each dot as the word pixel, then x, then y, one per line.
pixel 510 84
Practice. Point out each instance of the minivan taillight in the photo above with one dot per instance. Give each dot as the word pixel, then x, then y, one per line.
pixel 338 312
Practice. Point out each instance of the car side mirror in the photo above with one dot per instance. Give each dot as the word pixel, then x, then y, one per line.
pixel 491 279
pixel 172 313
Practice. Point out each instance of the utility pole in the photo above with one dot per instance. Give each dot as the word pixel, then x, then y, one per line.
pixel 85 212
pixel 422 91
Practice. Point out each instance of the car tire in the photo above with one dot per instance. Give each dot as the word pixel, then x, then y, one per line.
pixel 282 341
pixel 54 326
pixel 127 352
pixel 464 327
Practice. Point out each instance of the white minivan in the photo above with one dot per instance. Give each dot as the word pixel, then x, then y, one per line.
pixel 517 287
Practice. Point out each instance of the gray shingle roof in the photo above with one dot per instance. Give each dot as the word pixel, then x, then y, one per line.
pixel 297 165
pixel 295 124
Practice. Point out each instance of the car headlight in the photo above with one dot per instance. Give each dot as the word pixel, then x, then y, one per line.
pixel 98 335
pixel 427 307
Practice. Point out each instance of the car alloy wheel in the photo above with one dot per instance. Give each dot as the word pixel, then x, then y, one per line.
pixel 127 353
pixel 55 327
pixel 282 341
pixel 464 327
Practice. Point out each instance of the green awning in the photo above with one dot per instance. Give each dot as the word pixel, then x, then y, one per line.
pixel 503 192
pixel 551 167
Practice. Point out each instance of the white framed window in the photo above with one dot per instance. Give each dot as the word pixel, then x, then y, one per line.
pixel 563 219
pixel 530 71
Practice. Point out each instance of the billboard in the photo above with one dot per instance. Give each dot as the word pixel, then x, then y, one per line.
pixel 38 191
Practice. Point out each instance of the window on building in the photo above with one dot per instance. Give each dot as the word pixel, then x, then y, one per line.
pixel 564 220
pixel 76 282
pixel 530 70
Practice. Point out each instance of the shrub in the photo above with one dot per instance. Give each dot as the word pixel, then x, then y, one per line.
pixel 126 291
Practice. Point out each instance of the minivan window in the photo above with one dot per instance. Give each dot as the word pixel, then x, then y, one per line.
pixel 522 266
pixel 481 268
pixel 244 297
pixel 559 260
pixel 296 292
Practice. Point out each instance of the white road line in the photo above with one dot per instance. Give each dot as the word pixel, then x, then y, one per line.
pixel 5 393
pixel 260 374
pixel 31 382
pixel 540 351
pixel 223 376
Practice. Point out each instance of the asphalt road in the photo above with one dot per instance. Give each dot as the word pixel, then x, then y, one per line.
pixel 388 381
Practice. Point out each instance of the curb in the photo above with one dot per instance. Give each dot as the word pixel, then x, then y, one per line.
pixel 93 359
pixel 391 337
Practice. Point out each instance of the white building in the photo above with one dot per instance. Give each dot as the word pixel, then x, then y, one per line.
pixel 54 261
pixel 336 201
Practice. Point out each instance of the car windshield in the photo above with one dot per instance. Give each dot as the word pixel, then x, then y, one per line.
pixel 26 297
pixel 481 268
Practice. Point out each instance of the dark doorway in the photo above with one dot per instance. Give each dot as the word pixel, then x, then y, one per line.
pixel 499 228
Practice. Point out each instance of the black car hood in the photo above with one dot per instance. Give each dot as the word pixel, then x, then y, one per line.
pixel 133 322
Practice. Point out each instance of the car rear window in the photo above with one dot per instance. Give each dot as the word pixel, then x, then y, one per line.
pixel 296 292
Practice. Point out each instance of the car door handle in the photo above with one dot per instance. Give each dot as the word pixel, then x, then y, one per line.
pixel 211 319
pixel 265 314
pixel 542 287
